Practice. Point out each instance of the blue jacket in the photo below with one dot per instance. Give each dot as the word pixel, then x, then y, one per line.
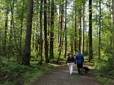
pixel 79 58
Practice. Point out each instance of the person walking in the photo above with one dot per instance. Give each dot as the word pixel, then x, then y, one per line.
pixel 70 61
pixel 80 59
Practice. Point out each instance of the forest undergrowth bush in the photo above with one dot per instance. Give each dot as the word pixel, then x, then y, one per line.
pixel 103 69
pixel 16 74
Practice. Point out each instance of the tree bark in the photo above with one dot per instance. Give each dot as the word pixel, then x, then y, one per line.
pixel 65 29
pixel 83 29
pixel 11 24
pixel 80 30
pixel 6 28
pixel 61 26
pixel 75 39
pixel 45 32
pixel 41 32
pixel 62 15
pixel 49 16
pixel 90 31
pixel 52 30
pixel 37 37
pixel 113 33
pixel 27 50
pixel 21 31
pixel 99 26
pixel 59 22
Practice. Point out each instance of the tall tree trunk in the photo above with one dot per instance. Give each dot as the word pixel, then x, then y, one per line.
pixel 33 37
pixel 49 23
pixel 62 20
pixel 11 24
pixel 65 28
pixel 37 38
pixel 21 31
pixel 83 29
pixel 60 46
pixel 6 28
pixel 49 17
pixel 71 46
pixel 45 32
pixel 80 30
pixel 90 31
pixel 14 30
pixel 75 22
pixel 11 29
pixel 75 28
pixel 52 30
pixel 41 31
pixel 113 33
pixel 59 22
pixel 27 50
pixel 99 26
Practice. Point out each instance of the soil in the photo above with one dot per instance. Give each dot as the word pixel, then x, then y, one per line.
pixel 61 76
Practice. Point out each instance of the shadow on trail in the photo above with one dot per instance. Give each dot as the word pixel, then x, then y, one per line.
pixel 61 76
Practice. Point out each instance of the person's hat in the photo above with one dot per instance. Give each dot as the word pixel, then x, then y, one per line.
pixel 78 51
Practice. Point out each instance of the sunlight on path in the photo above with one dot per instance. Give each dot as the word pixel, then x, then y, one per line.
pixel 61 76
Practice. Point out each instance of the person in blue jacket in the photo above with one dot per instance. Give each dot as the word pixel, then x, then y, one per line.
pixel 80 59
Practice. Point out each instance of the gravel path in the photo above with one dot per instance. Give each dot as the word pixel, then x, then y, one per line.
pixel 61 76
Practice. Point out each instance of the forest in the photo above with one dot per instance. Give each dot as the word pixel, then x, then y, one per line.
pixel 34 33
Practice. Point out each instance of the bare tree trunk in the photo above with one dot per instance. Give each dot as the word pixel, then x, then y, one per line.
pixel 6 28
pixel 80 31
pixel 21 31
pixel 33 38
pixel 99 26
pixel 11 24
pixel 45 32
pixel 59 22
pixel 62 20
pixel 27 50
pixel 71 46
pixel 52 30
pixel 75 29
pixel 83 29
pixel 41 32
pixel 65 28
pixel 49 17
pixel 75 39
pixel 61 26
pixel 37 37
pixel 113 33
pixel 11 29
pixel 90 31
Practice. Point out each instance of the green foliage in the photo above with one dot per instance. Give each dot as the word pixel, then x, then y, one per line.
pixel 100 79
pixel 16 68
pixel 111 73
pixel 103 67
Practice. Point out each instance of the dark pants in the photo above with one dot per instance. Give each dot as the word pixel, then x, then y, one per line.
pixel 79 66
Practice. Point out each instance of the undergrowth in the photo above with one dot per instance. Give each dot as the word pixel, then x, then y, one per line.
pixel 16 74
pixel 103 69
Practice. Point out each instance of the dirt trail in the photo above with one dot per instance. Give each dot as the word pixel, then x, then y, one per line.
pixel 61 76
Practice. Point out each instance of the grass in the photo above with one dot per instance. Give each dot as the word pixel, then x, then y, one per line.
pixel 102 69
pixel 15 74
pixel 29 74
